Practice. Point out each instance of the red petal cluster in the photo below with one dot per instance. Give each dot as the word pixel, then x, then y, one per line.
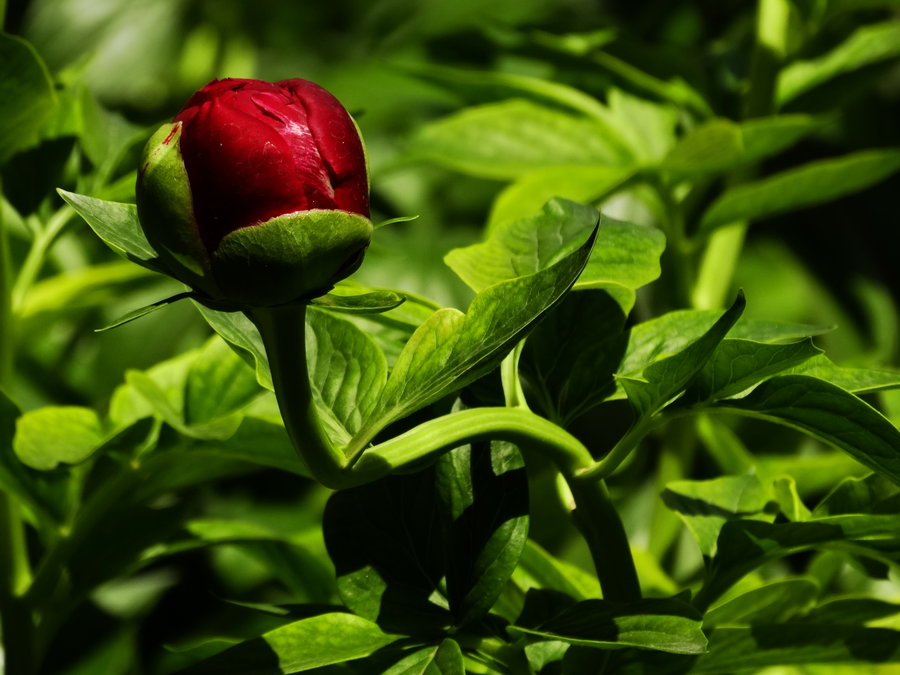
pixel 255 150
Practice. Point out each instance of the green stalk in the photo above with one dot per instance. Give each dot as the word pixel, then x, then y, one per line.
pixel 724 246
pixel 15 573
pixel 283 331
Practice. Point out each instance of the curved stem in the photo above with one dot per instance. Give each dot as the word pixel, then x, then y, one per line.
pixel 283 331
pixel 607 466
pixel 509 374
pixel 429 439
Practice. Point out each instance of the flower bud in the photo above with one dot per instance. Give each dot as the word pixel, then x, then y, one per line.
pixel 257 194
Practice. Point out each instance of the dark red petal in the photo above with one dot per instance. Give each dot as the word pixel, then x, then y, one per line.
pixel 338 142
pixel 241 170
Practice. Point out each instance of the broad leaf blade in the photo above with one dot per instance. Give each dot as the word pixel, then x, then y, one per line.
pixel 830 413
pixel 869 44
pixel 665 378
pixel 26 95
pixel 706 505
pixel 507 139
pixel 485 491
pixel 303 645
pixel 738 364
pixel 53 434
pixel 663 625
pixel 443 659
pixel 775 602
pixel 452 349
pixel 813 183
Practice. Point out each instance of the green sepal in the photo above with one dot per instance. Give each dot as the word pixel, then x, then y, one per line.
pixel 143 311
pixel 290 258
pixel 165 208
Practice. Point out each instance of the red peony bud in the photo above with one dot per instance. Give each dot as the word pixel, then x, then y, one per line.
pixel 258 192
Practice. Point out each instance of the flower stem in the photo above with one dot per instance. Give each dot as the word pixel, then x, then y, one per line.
pixel 283 331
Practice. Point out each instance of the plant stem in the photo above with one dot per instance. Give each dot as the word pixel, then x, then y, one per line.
pixel 509 374
pixel 606 467
pixel 37 254
pixel 724 246
pixel 15 574
pixel 283 331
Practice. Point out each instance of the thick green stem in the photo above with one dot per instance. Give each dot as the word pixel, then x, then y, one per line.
pixel 607 466
pixel 602 529
pixel 283 331
pixel 428 440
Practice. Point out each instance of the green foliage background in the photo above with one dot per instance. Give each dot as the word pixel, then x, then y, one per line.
pixel 471 111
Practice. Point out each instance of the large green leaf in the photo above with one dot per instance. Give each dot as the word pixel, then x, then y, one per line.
pixel 569 360
pixel 26 95
pixel 443 659
pixel 721 144
pixel 299 646
pixel 744 545
pixel 706 505
pixel 485 491
pixel 665 378
pixel 777 601
pixel 453 349
pixel 435 549
pixel 53 434
pixel 813 183
pixel 869 44
pixel 625 257
pixel 799 643
pixel 664 625
pixel 584 184
pixel 347 369
pixel 855 380
pixel 738 364
pixel 218 384
pixel 829 413
pixel 507 139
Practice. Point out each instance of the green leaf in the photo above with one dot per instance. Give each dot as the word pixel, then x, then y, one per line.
pixel 855 380
pixel 443 659
pixel 664 625
pixel 218 384
pixel 744 545
pixel 368 303
pixel 507 139
pixel 625 257
pixel 813 183
pixel 869 44
pixel 569 360
pixel 347 370
pixel 434 549
pixel 53 434
pixel 583 184
pixel 303 645
pixel 737 365
pixel 829 413
pixel 798 643
pixel 773 603
pixel 144 311
pixel 453 349
pixel 871 494
pixel 30 488
pixel 117 225
pixel 667 377
pixel 538 569
pixel 485 490
pixel 27 99
pixel 721 144
pixel 706 505
pixel 388 550
pixel 526 246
